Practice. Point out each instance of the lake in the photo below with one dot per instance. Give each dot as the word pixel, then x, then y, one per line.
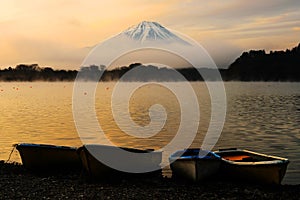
pixel 263 117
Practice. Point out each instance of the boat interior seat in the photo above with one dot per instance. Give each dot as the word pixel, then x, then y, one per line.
pixel 239 158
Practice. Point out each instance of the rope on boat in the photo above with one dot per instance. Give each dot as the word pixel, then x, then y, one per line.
pixel 13 149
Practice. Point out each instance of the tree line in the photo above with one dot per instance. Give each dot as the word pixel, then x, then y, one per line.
pixel 255 65
pixel 32 72
pixel 138 72
pixel 262 66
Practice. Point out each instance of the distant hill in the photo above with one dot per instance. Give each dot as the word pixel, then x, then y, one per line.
pixel 262 66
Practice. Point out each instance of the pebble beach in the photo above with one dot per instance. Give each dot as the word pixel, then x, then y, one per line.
pixel 18 183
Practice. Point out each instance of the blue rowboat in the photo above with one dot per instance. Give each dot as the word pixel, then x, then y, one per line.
pixel 194 164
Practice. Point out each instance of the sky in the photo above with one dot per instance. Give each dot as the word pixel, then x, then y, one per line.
pixel 60 33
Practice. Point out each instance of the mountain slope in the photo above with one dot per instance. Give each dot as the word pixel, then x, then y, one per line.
pixel 152 31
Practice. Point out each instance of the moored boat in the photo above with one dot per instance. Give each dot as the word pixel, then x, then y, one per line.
pixel 46 158
pixel 194 164
pixel 102 162
pixel 247 165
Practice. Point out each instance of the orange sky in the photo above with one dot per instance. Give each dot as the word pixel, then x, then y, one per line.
pixel 58 33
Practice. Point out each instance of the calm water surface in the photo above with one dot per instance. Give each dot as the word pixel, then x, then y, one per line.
pixel 263 117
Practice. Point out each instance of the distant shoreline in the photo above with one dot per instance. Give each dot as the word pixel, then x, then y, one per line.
pixel 252 66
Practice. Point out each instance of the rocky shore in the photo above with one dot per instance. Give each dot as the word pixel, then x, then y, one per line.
pixel 18 183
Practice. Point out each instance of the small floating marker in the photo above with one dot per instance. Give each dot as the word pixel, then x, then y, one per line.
pixel 107 88
pixel 2 90
pixel 85 93
pixel 17 88
pixel 30 87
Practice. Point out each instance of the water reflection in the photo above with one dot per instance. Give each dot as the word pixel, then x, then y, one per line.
pixel 263 117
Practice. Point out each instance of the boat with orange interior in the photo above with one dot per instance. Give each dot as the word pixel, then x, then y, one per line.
pixel 251 166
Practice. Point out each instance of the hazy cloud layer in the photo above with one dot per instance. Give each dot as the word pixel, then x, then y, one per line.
pixel 57 32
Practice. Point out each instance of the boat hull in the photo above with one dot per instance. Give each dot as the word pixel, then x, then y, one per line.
pixel 46 158
pixel 195 170
pixel 190 165
pixel 97 170
pixel 263 168
pixel 267 174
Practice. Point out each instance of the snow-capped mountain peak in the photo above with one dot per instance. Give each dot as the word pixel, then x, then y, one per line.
pixel 151 31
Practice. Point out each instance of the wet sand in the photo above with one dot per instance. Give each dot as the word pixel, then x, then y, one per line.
pixel 18 183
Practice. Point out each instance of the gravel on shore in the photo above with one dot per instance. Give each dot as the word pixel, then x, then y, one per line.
pixel 18 183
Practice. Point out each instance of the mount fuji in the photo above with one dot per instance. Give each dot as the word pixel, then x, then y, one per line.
pixel 150 32
pixel 148 42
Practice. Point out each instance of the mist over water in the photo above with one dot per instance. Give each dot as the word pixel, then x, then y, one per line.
pixel 263 117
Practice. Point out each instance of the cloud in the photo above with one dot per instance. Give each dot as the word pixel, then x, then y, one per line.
pixel 43 52
pixel 227 14
pixel 241 23
pixel 296 28
pixel 68 25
